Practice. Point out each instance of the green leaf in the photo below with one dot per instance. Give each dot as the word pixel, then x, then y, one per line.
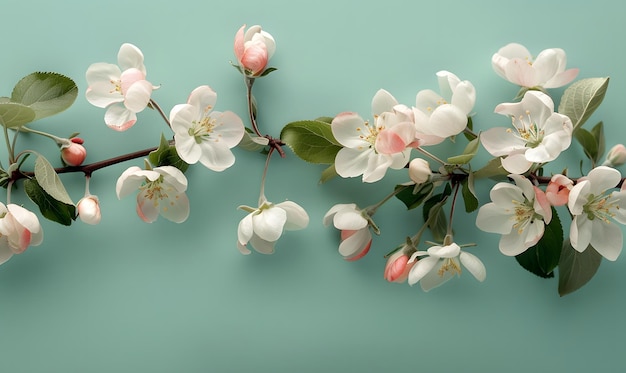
pixel 598 132
pixel 543 258
pixel 469 197
pixel 493 170
pixel 14 115
pixel 166 155
pixel 311 140
pixel 470 151
pixel 576 268
pixel 328 120
pixel 414 195
pixel 588 142
pixel 247 142
pixel 50 182
pixel 469 135
pixel 267 71
pixel 50 207
pixel 582 98
pixel 46 93
pixel 328 174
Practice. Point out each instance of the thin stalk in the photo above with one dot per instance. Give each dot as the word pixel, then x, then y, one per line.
pixel 160 111
pixel 372 209
pixel 456 192
pixel 432 156
pixel 262 198
pixel 9 146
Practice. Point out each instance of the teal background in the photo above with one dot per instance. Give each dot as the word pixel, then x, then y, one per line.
pixel 125 296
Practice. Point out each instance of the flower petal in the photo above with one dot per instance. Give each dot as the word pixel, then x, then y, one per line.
pixel 474 265
pixel 268 225
pixel 606 238
pixel 383 101
pixel 129 56
pixel 356 245
pixel 119 118
pixel 421 268
pixel 297 218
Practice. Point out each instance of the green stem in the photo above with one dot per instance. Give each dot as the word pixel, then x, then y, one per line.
pixel 161 113
pixel 372 209
pixel 58 140
pixel 432 156
pixel 9 146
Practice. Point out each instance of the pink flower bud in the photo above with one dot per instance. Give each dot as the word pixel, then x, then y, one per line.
pixel 74 153
pixel 254 49
pixel 362 251
pixel 89 210
pixel 616 156
pixel 558 189
pixel 419 170
pixel 398 267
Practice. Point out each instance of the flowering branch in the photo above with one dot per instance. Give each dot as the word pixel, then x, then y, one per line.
pixel 396 138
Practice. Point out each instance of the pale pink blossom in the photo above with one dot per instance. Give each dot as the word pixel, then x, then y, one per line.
pixel 354 225
pixel 204 135
pixel 514 63
pixel 369 149
pixel 439 264
pixel 161 191
pixel 538 134
pixel 19 229
pixel 595 209
pixel 122 89
pixel 518 212
pixel 264 225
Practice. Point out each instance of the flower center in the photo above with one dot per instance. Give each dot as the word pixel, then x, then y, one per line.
pixel 370 132
pixel 203 129
pixel 155 189
pixel 524 214
pixel 117 86
pixel 527 130
pixel 601 207
pixel 449 264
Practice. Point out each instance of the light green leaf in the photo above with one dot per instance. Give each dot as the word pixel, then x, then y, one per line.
pixel 251 142
pixel 50 182
pixel 493 170
pixel 311 140
pixel 582 98
pixel 49 207
pixel 46 93
pixel 576 268
pixel 328 174
pixel 14 115
pixel 470 151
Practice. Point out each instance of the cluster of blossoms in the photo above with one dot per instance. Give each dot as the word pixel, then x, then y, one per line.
pixel 521 210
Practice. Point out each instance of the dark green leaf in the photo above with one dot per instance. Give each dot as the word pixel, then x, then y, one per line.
pixel 414 195
pixel 14 115
pixel 434 216
pixel 582 98
pixel 267 71
pixel 49 207
pixel 328 120
pixel 588 142
pixel 543 258
pixel 46 93
pixel 469 198
pixel 311 140
pixel 166 155
pixel 576 268
pixel 598 133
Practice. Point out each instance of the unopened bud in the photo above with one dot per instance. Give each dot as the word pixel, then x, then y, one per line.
pixel 74 153
pixel 616 156
pixel 419 170
pixel 89 210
